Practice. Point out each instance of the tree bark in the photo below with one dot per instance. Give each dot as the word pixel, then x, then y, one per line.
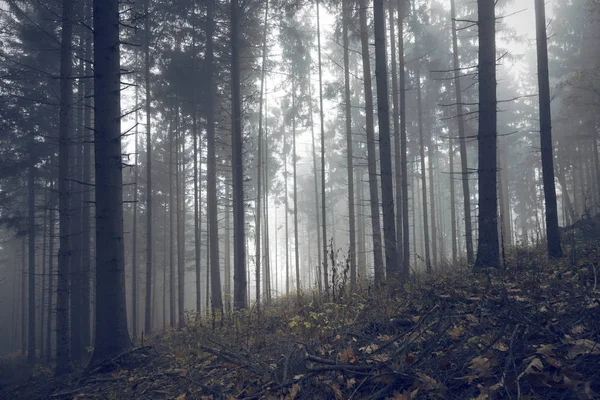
pixel 111 336
pixel 487 249
pixel 552 229
pixel 295 162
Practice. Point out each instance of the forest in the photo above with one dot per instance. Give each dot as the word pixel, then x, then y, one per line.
pixel 299 199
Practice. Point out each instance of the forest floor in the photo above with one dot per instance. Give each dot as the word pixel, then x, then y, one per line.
pixel 532 332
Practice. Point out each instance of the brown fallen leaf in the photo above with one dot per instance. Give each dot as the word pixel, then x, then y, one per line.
pixel 582 347
pixel 535 367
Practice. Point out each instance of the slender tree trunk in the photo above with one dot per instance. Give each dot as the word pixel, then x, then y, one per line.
pixel 385 156
pixel 397 150
pixel 552 229
pixel 180 183
pixel 172 300
pixel 321 115
pixel 63 342
pixel 51 234
pixel 286 203
pixel 149 238
pixel 23 295
pixel 316 182
pixel 197 174
pixel 423 172
pixel 403 145
pixel 86 228
pixel 211 177
pixel 227 266
pixel 349 152
pixel 31 255
pixel 371 156
pixel 294 167
pixel 452 201
pixel 462 140
pixel 259 165
pixel 134 266
pixel 111 336
pixel 239 278
pixel 432 199
pixel 43 289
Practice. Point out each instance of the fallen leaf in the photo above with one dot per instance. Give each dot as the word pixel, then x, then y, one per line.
pixel 482 365
pixel 455 332
pixel 500 346
pixel 535 367
pixel 582 347
pixel 294 390
pixel 350 383
pixel 180 397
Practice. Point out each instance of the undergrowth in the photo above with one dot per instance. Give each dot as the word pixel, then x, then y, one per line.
pixel 530 331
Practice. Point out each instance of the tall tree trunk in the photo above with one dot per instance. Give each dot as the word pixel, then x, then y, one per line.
pixel 371 156
pixel 432 199
pixel 51 234
pixel 134 266
pixel 180 183
pixel 211 174
pixel 239 278
pixel 227 266
pixel 487 248
pixel 403 145
pixel 397 150
pixel 321 115
pixel 197 174
pixel 423 172
pixel 316 182
pixel 86 228
pixel 385 156
pixel 111 336
pixel 43 288
pixel 294 168
pixel 349 152
pixel 286 204
pixel 31 254
pixel 552 230
pixel 259 165
pixel 462 140
pixel 452 201
pixel 63 342
pixel 172 290
pixel 148 303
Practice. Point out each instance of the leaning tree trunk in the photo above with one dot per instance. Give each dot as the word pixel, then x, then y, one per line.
pixel 462 139
pixel 63 343
pixel 488 252
pixel 371 156
pixel 239 243
pixel 111 335
pixel 552 229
